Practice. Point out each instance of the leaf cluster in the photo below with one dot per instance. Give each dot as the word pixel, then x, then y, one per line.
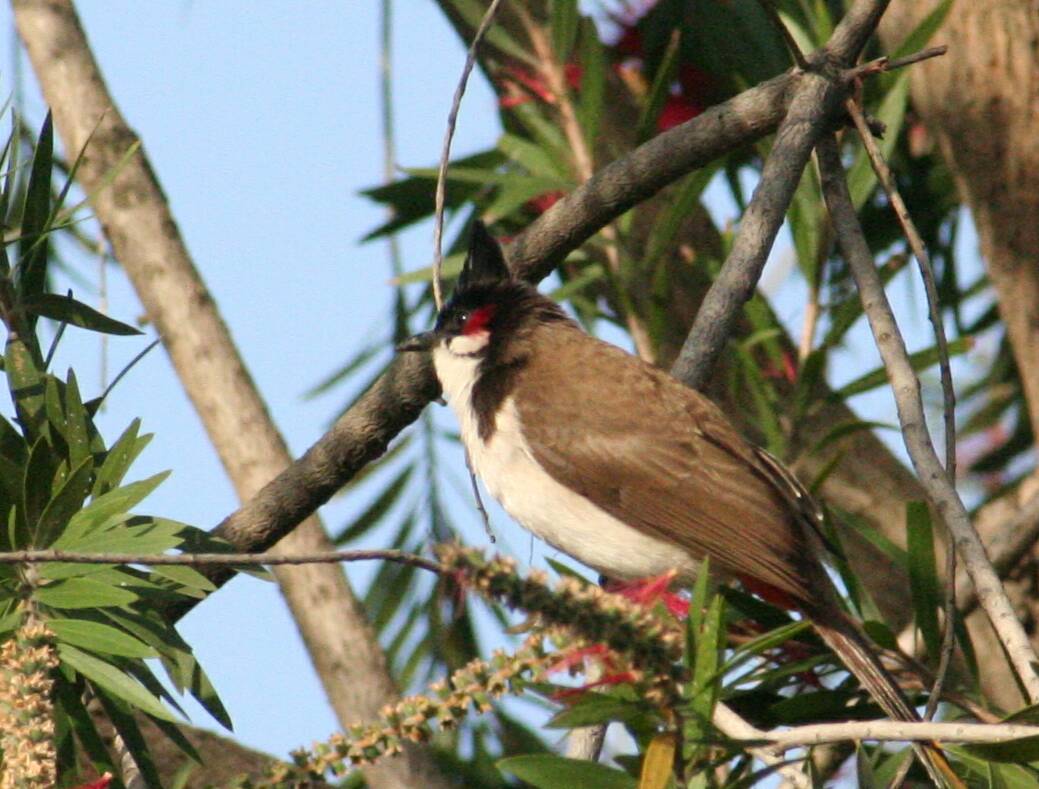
pixel 63 487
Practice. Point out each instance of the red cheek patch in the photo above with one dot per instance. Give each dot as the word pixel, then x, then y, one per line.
pixel 478 319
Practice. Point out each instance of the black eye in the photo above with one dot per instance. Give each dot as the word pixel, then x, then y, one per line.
pixel 461 317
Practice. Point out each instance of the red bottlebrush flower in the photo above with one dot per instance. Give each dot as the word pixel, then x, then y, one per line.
pixel 787 372
pixel 649 591
pixel 609 679
pixel 677 110
pixel 519 84
pixel 100 783
pixel 575 656
pixel 545 201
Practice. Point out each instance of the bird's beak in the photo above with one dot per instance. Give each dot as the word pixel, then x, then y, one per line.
pixel 418 342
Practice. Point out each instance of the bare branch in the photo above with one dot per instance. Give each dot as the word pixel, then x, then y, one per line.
pixel 906 387
pixel 813 105
pixel 219 559
pixel 894 731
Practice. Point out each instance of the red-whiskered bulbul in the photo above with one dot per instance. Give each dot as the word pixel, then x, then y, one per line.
pixel 624 468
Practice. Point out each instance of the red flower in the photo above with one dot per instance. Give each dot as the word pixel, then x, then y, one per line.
pixel 649 591
pixel 100 783
pixel 545 201
pixel 676 110
pixel 519 83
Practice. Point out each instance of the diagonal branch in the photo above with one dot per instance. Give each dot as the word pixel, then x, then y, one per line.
pixel 906 388
pixel 813 105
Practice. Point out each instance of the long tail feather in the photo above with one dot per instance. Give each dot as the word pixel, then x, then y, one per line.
pixel 843 636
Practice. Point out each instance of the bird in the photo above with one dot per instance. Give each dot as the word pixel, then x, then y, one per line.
pixel 624 468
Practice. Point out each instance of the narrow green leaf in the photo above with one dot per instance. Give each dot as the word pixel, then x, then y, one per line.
pixel 378 508
pixel 592 709
pixel 27 386
pixel 66 502
pixel 663 77
pixel 98 637
pixel 923 575
pixel 116 501
pixel 75 313
pixel 921 360
pixel 75 593
pixel 188 577
pixel 32 245
pixel 119 458
pixel 113 680
pixel 36 487
pixel 1020 750
pixel 891 112
pixel 472 12
pixel 77 423
pixel 546 771
pixel 593 82
pixel 922 33
pixel 563 23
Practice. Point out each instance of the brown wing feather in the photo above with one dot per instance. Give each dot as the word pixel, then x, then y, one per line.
pixel 675 467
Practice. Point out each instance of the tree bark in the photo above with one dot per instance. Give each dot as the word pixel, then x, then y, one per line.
pixel 144 236
pixel 981 103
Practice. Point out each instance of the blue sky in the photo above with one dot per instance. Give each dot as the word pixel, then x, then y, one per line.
pixel 262 123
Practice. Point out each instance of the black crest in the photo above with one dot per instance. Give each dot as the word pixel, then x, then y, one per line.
pixel 485 263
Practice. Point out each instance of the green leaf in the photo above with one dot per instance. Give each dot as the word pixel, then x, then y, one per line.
pixel 592 709
pixel 119 458
pixel 920 35
pixel 546 771
pixel 891 112
pixel 1020 750
pixel 563 22
pixel 75 313
pixel 377 510
pixel 66 502
pixel 73 593
pixel 114 502
pixel 27 386
pixel 534 160
pixel 593 82
pixel 188 577
pixel 77 423
pixel 921 360
pixel 36 490
pixel 663 77
pixel 32 245
pixel 472 12
pixel 113 680
pixel 98 637
pixel 923 575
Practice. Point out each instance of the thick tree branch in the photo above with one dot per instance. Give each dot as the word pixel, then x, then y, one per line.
pixel 906 388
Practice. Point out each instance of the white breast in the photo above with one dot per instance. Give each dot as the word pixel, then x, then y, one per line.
pixel 564 519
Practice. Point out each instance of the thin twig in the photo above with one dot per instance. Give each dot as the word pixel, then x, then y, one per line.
pixel 887 64
pixel 732 725
pixel 906 389
pixel 892 731
pixel 923 259
pixel 217 559
pixel 445 153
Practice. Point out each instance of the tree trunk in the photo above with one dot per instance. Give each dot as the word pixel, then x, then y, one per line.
pixel 144 236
